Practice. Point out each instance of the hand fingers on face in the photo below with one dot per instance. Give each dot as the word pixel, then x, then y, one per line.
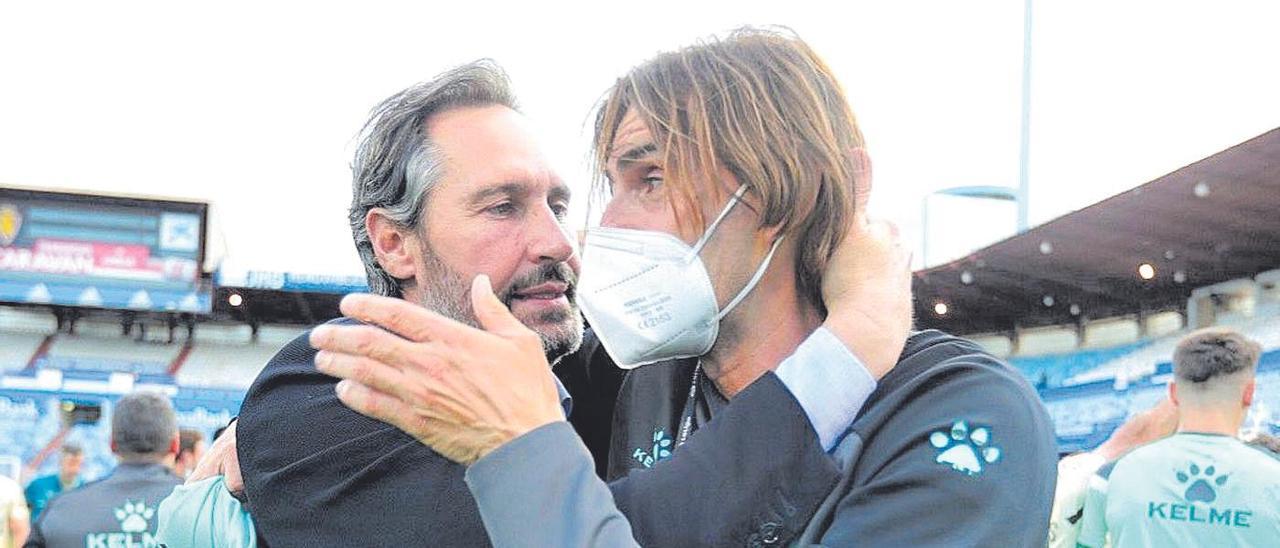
pixel 399 316
pixel 882 238
pixel 492 314
pixel 368 372
pixel 366 341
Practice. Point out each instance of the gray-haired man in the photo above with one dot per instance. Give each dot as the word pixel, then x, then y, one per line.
pixel 120 509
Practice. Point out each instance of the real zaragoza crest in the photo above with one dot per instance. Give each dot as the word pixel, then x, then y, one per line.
pixel 10 223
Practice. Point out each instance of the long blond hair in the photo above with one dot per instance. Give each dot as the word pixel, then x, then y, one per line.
pixel 762 105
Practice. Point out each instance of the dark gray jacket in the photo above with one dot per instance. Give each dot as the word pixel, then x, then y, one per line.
pixel 953 448
pixel 118 510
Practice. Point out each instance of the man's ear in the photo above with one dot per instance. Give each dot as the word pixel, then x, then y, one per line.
pixel 1248 392
pixel 174 445
pixel 1173 392
pixel 394 247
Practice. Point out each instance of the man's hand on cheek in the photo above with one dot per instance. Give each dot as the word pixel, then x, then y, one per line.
pixel 460 390
pixel 867 290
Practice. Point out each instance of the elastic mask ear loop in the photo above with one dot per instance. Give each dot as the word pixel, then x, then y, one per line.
pixel 706 236
pixel 751 284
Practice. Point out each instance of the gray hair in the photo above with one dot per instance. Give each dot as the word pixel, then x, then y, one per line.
pixel 143 425
pixel 396 165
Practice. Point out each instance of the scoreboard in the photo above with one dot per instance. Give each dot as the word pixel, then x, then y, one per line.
pixel 102 251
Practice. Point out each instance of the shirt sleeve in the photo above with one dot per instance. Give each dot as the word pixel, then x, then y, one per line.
pixel 546 477
pixel 1093 523
pixel 204 514
pixel 1069 497
pixel 830 383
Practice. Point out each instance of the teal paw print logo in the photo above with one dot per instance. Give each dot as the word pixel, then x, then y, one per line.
pixel 1202 483
pixel 661 449
pixel 134 517
pixel 965 450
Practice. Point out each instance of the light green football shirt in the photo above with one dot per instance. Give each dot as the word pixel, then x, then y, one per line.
pixel 1185 490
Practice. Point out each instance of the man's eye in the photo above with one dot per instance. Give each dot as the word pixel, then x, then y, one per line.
pixel 653 180
pixel 561 211
pixel 503 209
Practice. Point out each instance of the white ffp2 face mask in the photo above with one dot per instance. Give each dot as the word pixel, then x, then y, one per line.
pixel 648 296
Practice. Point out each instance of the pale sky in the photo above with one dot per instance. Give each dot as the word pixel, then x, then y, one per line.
pixel 253 105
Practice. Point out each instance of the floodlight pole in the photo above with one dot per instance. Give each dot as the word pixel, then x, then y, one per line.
pixel 1024 149
pixel 1021 195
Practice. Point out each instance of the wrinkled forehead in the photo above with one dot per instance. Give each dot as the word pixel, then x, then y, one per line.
pixel 488 145
pixel 631 143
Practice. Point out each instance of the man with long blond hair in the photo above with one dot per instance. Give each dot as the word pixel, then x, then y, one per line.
pixel 732 170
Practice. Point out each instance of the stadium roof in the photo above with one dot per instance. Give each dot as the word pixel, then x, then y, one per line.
pixel 1214 220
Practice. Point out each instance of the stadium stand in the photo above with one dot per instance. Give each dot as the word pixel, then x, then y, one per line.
pixel 107 355
pixel 227 364
pixel 21 336
pixel 1074 367
pixel 1068 304
pixel 1090 392
pixel 17 348
pixel 1137 363
pixel 61 387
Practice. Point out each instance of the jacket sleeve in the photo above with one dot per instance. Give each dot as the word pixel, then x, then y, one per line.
pixel 759 460
pixel 966 457
pixel 546 477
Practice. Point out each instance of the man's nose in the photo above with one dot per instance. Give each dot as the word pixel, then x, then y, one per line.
pixel 550 238
pixel 617 214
